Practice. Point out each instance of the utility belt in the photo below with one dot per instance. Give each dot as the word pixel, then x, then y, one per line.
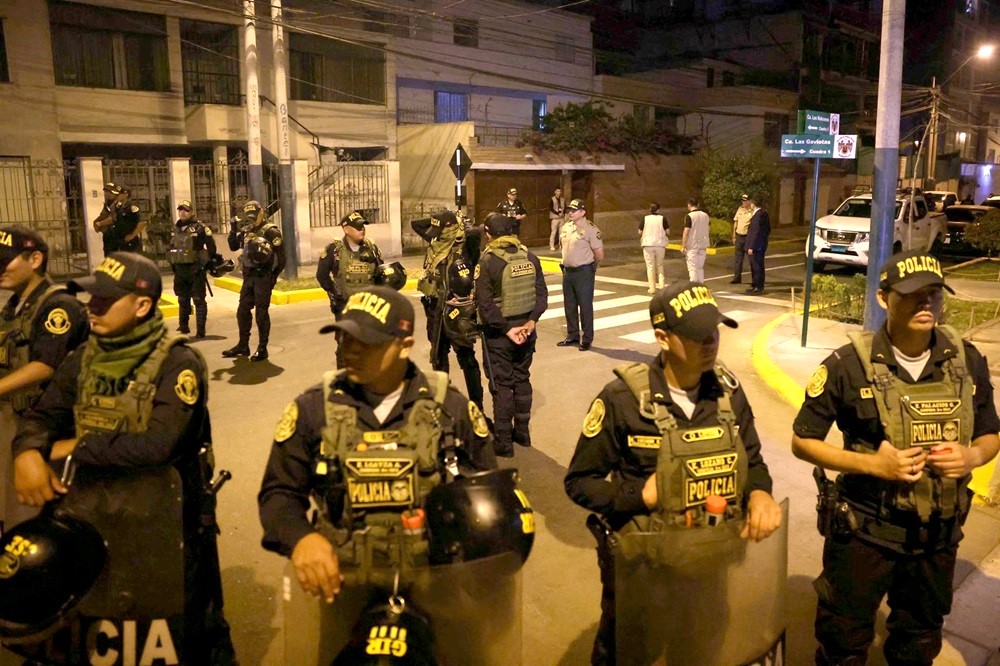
pixel 376 553
pixel 573 269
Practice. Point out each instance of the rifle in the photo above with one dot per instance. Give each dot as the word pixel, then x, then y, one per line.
pixel 438 332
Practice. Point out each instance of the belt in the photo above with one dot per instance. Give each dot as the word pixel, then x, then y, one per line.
pixel 578 268
pixel 739 234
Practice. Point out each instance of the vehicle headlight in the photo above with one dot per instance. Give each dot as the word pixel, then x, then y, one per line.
pixel 862 237
pixel 821 233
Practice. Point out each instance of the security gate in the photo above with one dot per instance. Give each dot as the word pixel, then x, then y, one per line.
pixel 339 189
pixel 221 188
pixel 45 196
pixel 148 182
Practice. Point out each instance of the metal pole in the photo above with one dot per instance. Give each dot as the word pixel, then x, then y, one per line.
pixel 932 149
pixel 809 260
pixel 285 184
pixel 886 154
pixel 255 175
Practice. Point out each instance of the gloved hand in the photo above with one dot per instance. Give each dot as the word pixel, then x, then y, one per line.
pixel 366 254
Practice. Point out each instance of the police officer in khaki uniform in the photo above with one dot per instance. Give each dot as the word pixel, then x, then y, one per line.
pixel 384 399
pixel 741 225
pixel 191 246
pixel 348 264
pixel 39 326
pixel 915 405
pixel 582 250
pixel 511 296
pixel 614 471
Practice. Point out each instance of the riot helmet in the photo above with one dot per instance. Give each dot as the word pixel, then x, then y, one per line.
pixel 460 279
pixel 390 275
pixel 459 321
pixel 477 516
pixel 258 251
pixel 217 267
pixel 47 565
pixel 389 635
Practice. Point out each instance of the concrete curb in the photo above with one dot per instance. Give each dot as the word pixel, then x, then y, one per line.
pixel 787 388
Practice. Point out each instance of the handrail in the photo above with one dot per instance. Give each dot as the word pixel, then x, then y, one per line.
pixel 308 131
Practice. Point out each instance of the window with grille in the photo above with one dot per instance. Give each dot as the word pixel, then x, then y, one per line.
pixel 323 70
pixel 466 33
pixel 211 63
pixel 451 107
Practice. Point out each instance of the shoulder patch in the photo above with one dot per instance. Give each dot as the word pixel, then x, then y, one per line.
pixel 186 387
pixel 208 231
pixel 598 232
pixel 322 255
pixel 286 424
pixel 134 209
pixel 276 242
pixel 475 273
pixel 479 425
pixel 595 418
pixel 57 323
pixel 817 383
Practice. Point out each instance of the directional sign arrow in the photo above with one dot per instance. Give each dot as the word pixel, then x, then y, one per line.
pixel 460 163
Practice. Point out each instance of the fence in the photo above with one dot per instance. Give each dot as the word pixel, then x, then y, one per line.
pixel 220 189
pixel 46 197
pixel 148 182
pixel 336 190
pixel 501 137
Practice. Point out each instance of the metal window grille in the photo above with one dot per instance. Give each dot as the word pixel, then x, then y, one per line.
pixel 336 190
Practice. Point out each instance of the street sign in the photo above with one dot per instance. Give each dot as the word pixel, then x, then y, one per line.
pixel 460 163
pixel 818 122
pixel 806 145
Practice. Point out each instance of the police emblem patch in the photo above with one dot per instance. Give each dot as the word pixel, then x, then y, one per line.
pixel 475 273
pixel 478 421
pixel 276 242
pixel 208 232
pixel 186 387
pixel 57 323
pixel 594 419
pixel 135 209
pixel 817 383
pixel 286 424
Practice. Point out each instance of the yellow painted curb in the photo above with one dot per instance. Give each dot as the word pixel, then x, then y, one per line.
pixel 168 305
pixel 279 297
pixel 786 387
pixel 550 265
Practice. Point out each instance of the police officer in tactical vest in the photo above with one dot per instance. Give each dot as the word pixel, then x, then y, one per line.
pixel 630 464
pixel 191 246
pixel 348 264
pixel 366 445
pixel 130 401
pixel 511 296
pixel 262 260
pixel 119 221
pixel 915 405
pixel 39 325
pixel 447 285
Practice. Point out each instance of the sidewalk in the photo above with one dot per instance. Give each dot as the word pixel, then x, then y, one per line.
pixel 971 636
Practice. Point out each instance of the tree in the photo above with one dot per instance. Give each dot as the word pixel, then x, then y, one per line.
pixel 985 234
pixel 730 174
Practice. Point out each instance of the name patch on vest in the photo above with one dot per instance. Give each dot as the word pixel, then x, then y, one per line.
pixel 929 433
pixel 644 441
pixel 374 482
pixel 89 419
pixel 357 267
pixel 712 475
pixel 521 269
pixel 935 407
pixel 702 434
pixel 381 437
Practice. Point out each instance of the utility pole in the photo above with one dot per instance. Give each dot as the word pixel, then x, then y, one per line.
pixel 890 85
pixel 933 138
pixel 284 148
pixel 255 176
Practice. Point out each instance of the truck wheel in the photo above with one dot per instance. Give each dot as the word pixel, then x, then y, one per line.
pixel 937 247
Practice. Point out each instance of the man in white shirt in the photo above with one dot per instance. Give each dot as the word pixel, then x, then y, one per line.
pixel 654 235
pixel 695 240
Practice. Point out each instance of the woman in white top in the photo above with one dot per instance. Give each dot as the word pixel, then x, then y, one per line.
pixel 653 238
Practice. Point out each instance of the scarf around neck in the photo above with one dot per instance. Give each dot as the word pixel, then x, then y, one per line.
pixel 112 359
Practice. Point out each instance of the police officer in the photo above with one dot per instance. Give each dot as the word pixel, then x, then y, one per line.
pixel 131 399
pixel 449 266
pixel 118 222
pixel 614 469
pixel 384 405
pixel 512 207
pixel 511 296
pixel 915 405
pixel 262 260
pixel 348 264
pixel 582 249
pixel 191 246
pixel 39 325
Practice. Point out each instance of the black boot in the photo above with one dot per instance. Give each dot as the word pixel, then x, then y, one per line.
pixel 183 316
pixel 260 354
pixel 241 349
pixel 200 317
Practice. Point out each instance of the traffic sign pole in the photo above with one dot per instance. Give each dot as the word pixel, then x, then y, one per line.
pixel 809 258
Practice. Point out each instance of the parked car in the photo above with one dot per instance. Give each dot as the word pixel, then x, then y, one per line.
pixel 842 237
pixel 940 200
pixel 993 201
pixel 959 217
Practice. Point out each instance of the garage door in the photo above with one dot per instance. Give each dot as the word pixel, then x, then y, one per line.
pixel 534 189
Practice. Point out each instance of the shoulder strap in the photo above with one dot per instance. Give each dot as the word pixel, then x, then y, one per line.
pixel 341 421
pixel 862 341
pixel 148 370
pixel 636 378
pixel 729 384
pixel 424 428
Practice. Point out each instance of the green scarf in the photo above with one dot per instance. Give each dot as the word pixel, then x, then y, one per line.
pixel 442 246
pixel 112 359
pixel 500 242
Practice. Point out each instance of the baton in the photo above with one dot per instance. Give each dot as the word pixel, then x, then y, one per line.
pixel 487 364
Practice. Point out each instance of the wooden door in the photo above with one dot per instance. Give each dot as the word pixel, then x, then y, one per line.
pixel 534 189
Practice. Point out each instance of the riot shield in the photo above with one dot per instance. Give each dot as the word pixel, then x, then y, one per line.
pixel 473 609
pixel 700 596
pixel 136 607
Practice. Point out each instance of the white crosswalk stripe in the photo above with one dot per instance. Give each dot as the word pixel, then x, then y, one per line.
pixel 609 304
pixel 559 298
pixel 646 337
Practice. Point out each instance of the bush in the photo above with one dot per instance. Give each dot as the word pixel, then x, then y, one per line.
pixel 730 174
pixel 985 234
pixel 720 232
pixel 840 301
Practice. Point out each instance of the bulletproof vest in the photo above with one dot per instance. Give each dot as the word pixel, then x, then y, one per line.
pixel 15 346
pixel 385 471
pixel 925 414
pixel 130 410
pixel 441 253
pixel 691 463
pixel 246 259
pixel 182 245
pixel 517 294
pixel 354 272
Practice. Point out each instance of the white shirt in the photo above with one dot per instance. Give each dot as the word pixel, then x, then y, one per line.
pixel 388 402
pixel 914 365
pixel 686 400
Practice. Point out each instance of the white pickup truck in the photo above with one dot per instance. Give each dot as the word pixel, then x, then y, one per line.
pixel 842 237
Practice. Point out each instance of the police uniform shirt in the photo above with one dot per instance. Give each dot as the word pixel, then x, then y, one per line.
pixel 839 393
pixel 329 262
pixel 511 208
pixel 579 242
pixel 204 240
pixel 59 326
pixel 608 471
pixel 742 220
pixel 126 219
pixel 489 293
pixel 288 479
pixel 177 425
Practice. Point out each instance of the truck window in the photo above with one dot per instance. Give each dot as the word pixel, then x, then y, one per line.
pixel 921 210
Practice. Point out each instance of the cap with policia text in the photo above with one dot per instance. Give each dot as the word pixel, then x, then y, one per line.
pixel 577 204
pixel 16 239
pixel 184 205
pixel 111 187
pixel 744 197
pixel 122 273
pixel 688 309
pixel 909 271
pixel 355 219
pixel 512 190
pixel 375 316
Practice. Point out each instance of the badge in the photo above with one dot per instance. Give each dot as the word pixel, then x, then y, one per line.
pixel 595 417
pixel 478 421
pixel 57 323
pixel 866 393
pixel 599 237
pixel 286 424
pixel 817 383
pixel 644 441
pixel 186 387
pixel 135 209
pixel 475 274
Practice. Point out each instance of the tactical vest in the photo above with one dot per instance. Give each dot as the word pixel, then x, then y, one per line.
pixel 385 471
pixel 15 347
pixel 924 414
pixel 354 273
pixel 517 290
pixel 182 246
pixel 129 411
pixel 692 463
pixel 439 255
pixel 248 236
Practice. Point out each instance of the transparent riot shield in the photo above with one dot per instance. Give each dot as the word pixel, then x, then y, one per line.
pixel 473 610
pixel 700 596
